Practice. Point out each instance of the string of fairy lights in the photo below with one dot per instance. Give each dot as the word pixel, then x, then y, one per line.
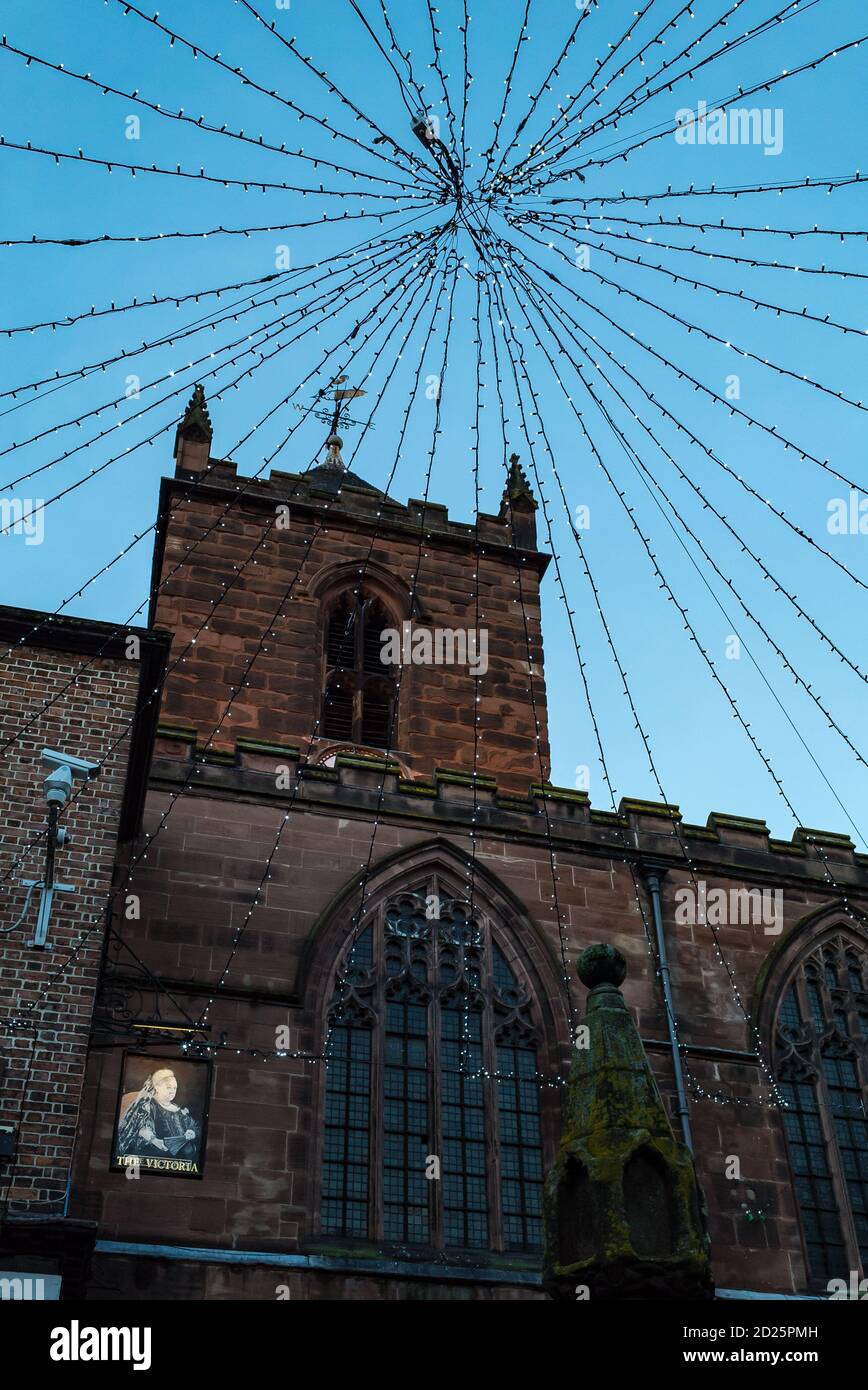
pixel 366 865
pixel 645 92
pixel 572 326
pixel 493 217
pixel 563 112
pixel 143 238
pixel 321 272
pixel 24 1023
pixel 804 455
pixel 407 160
pixel 239 493
pixel 628 858
pixel 200 1046
pixel 37 627
pixel 558 912
pixel 268 328
pixel 466 1057
pixel 856 915
pixel 713 337
pixel 728 256
pixel 752 617
pixel 200 175
pixel 194 326
pixel 201 124
pixel 722 105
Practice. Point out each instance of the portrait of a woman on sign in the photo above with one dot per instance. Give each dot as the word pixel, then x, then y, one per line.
pixel 161 1118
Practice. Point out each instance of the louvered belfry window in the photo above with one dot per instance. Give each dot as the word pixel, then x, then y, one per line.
pixel 821 1058
pixel 431 1055
pixel 360 691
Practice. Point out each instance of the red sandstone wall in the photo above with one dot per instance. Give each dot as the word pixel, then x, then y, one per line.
pixel 258 1190
pixel 281 699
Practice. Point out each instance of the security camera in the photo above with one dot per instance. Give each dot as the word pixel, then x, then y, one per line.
pixel 78 766
pixel 66 767
pixel 58 785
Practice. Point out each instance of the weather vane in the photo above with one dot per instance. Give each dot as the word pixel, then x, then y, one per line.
pixel 336 417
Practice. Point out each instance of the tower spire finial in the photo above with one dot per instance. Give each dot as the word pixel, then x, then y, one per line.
pixel 517 507
pixel 334 443
pixel 335 458
pixel 194 434
pixel 518 490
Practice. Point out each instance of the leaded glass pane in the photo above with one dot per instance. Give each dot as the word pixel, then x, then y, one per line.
pixel 405 1122
pixel 826 1123
pixel 790 1015
pixel 814 1188
pixel 815 1000
pixel 465 1195
pixel 521 1147
pixel 344 1209
pixel 851 1130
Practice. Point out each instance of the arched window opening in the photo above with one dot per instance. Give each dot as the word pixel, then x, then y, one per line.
pixel 432 1120
pixel 360 691
pixel 821 1059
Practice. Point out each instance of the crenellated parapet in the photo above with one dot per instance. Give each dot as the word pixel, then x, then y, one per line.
pixel 346 781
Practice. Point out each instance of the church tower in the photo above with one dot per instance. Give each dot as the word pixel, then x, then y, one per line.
pixel 401 632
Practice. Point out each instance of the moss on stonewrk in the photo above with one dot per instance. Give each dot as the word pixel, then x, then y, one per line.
pixel 624 1213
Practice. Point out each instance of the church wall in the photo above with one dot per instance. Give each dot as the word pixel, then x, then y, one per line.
pixel 232 777
pixel 124 1276
pixel 259 1183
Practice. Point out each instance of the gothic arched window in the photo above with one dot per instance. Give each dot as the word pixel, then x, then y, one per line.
pixel 432 1119
pixel 360 690
pixel 821 1060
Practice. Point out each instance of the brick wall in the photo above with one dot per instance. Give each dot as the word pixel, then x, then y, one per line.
pixel 52 991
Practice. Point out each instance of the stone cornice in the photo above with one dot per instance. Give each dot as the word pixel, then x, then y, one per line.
pixel 727 847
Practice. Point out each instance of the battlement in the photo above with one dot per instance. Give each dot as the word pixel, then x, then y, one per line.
pixel 362 783
pixel 345 494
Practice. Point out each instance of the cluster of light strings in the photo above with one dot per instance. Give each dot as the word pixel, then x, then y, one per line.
pixel 524 204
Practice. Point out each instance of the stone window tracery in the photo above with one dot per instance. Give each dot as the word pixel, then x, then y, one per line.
pixel 431 1068
pixel 821 1061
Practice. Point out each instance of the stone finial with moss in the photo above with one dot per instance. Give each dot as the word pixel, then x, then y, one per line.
pixel 517 506
pixel 624 1214
pixel 194 435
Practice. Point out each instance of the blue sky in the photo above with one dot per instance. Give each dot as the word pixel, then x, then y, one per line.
pixel 703 757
